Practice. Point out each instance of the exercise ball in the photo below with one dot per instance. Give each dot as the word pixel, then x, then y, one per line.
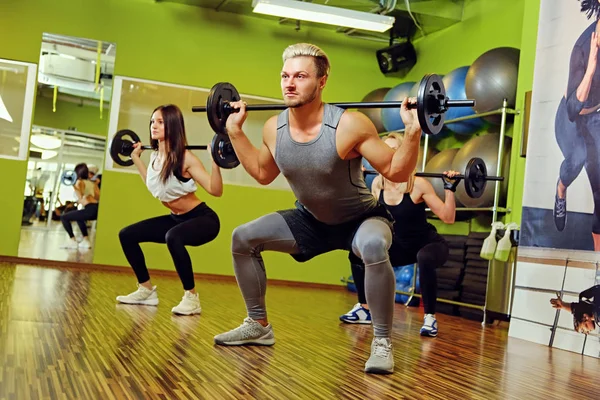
pixel 351 286
pixel 406 274
pixel 486 148
pixel 491 78
pixel 401 298
pixel 391 116
pixel 454 83
pixel 374 114
pixel 439 163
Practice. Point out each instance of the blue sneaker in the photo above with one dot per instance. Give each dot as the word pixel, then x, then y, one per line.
pixel 429 327
pixel 358 315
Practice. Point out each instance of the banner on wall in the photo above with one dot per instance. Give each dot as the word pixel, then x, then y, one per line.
pixel 561 199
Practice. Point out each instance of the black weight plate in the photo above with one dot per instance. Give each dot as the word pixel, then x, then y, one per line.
pixel 121 147
pixel 69 178
pixel 475 175
pixel 223 152
pixel 431 93
pixel 220 94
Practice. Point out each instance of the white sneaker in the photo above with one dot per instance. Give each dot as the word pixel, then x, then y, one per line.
pixel 70 244
pixel 190 304
pixel 382 357
pixel 85 244
pixel 141 296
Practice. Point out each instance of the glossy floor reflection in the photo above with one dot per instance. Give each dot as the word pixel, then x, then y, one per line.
pixel 44 242
pixel 62 335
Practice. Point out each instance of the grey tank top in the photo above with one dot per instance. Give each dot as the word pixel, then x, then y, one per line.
pixel 331 189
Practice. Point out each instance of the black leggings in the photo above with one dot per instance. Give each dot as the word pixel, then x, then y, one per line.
pixel 194 228
pixel 428 257
pixel 89 213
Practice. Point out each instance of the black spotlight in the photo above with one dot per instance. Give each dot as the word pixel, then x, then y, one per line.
pixel 397 58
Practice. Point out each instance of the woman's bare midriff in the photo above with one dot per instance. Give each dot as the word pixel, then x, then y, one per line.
pixel 87 200
pixel 183 204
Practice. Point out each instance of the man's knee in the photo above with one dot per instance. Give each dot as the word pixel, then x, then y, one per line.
pixel 241 239
pixel 374 249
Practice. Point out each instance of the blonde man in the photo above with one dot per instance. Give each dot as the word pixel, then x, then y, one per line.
pixel 318 148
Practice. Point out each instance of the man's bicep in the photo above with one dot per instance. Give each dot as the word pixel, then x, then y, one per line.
pixel 376 152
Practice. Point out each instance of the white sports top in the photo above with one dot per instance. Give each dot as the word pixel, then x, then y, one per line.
pixel 172 189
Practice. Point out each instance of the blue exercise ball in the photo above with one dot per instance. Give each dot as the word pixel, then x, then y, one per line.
pixel 401 298
pixel 406 274
pixel 454 82
pixel 391 116
pixel 351 286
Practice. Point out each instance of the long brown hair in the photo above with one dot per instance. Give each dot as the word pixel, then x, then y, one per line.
pixel 175 140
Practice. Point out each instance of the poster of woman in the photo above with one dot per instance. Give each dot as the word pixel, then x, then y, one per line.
pixel 561 196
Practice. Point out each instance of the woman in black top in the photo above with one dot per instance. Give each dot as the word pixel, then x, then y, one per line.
pixel 415 240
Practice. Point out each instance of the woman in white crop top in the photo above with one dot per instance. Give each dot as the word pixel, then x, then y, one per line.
pixel 88 194
pixel 171 177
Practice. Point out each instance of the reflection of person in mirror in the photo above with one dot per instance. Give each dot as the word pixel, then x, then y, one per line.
pixel 37 183
pixel 95 176
pixel 87 193
pixel 586 311
pixel 577 119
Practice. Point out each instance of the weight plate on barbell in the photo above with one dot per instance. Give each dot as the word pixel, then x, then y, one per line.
pixel 475 174
pixel 223 152
pixel 121 146
pixel 429 96
pixel 69 178
pixel 219 95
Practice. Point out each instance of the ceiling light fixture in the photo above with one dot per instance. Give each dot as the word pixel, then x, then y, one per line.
pixel 45 141
pixel 323 14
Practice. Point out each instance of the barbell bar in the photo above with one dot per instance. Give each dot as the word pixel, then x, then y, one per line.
pixel 475 177
pixel 121 146
pixel 431 105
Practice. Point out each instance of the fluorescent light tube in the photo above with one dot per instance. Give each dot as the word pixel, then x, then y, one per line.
pixel 323 14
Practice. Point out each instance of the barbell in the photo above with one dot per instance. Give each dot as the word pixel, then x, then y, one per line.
pixel 431 105
pixel 475 177
pixel 121 146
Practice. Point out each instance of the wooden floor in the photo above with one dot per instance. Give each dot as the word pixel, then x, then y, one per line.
pixel 41 241
pixel 62 335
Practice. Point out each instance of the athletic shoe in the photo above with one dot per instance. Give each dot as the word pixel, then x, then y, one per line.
pixel 358 315
pixel 141 296
pixel 429 327
pixel 382 357
pixel 190 304
pixel 249 333
pixel 560 210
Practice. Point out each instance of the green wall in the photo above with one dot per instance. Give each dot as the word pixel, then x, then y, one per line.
pixel 247 53
pixel 526 68
pixel 84 118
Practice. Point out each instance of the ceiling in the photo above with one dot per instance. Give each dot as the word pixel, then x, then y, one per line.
pixel 430 15
pixel 70 64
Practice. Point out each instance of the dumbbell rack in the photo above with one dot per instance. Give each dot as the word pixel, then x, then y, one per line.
pixel 495 209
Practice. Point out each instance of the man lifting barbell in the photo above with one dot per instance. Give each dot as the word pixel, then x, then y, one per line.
pixel 171 177
pixel 318 151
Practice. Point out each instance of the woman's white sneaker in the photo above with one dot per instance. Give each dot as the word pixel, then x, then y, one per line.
pixel 141 296
pixel 190 304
